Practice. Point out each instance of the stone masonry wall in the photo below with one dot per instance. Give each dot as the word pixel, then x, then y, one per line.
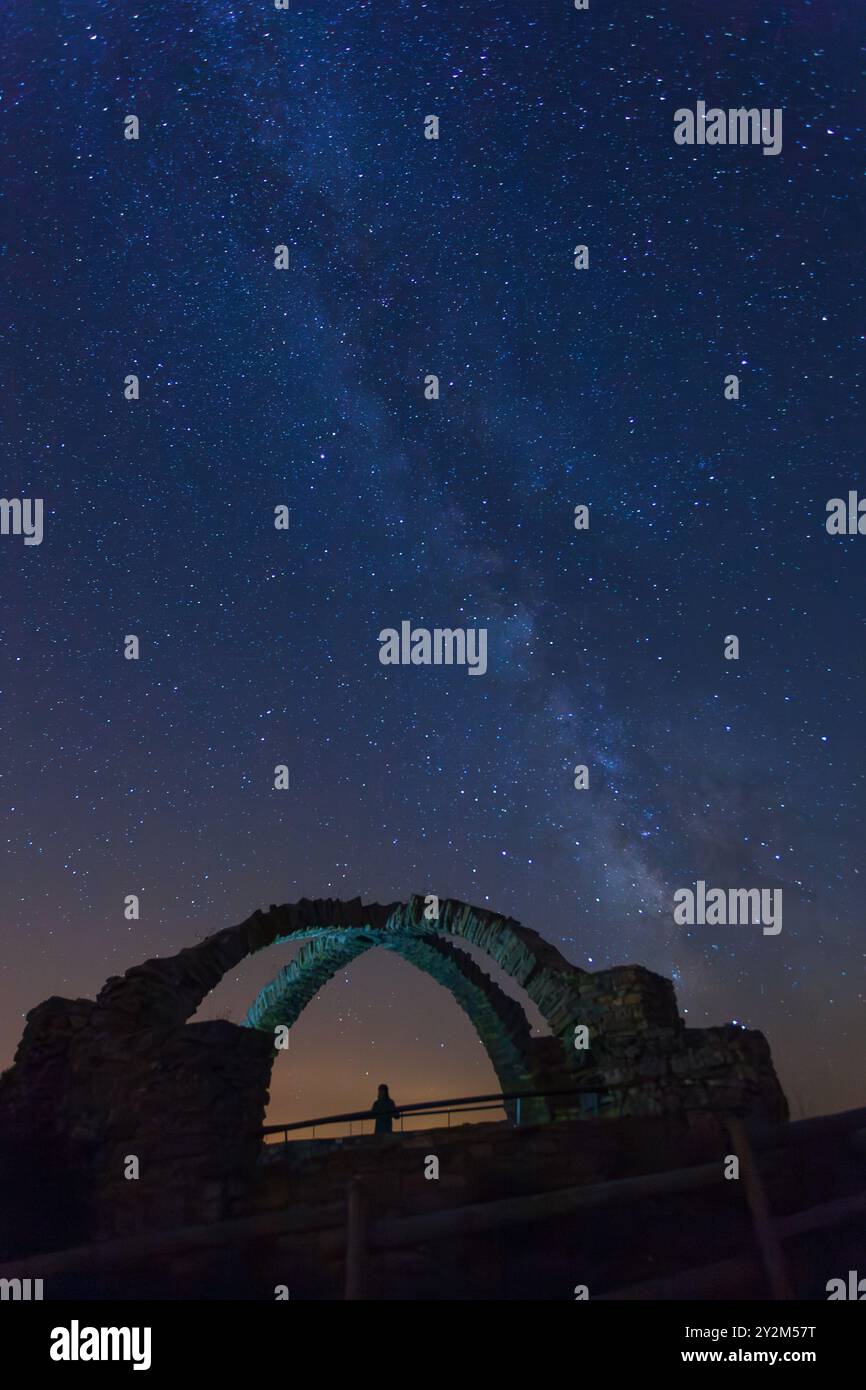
pixel 87 1092
pixel 95 1082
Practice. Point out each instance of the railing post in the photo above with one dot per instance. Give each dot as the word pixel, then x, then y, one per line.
pixel 517 1112
pixel 357 1231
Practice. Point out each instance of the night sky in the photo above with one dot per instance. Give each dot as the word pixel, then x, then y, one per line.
pixel 559 387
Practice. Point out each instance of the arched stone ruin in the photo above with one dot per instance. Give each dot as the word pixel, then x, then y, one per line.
pixel 95 1081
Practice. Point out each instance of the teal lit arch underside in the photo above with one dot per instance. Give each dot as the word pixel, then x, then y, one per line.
pixel 498 1020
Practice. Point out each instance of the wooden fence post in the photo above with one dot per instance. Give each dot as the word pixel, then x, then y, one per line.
pixel 772 1254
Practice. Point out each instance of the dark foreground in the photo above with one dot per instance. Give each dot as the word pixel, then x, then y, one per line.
pixel 635 1209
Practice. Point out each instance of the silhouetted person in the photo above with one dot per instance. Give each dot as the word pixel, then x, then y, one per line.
pixel 384 1109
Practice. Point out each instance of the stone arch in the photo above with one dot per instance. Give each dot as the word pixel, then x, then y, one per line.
pixel 640 1057
pixel 97 1079
pixel 166 993
pixel 498 1019
pixel 177 985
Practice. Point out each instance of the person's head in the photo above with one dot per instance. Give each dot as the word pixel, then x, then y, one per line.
pixel 383 1092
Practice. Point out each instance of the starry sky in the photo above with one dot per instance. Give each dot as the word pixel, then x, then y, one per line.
pixel 305 388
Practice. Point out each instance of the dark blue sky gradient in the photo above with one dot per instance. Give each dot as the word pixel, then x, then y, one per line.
pixel 306 388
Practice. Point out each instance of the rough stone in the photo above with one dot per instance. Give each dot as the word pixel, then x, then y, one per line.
pixel 96 1080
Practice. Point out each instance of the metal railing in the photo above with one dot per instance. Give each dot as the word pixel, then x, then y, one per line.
pixel 454 1105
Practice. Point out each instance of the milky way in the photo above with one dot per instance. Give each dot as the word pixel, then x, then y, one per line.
pixel 558 387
